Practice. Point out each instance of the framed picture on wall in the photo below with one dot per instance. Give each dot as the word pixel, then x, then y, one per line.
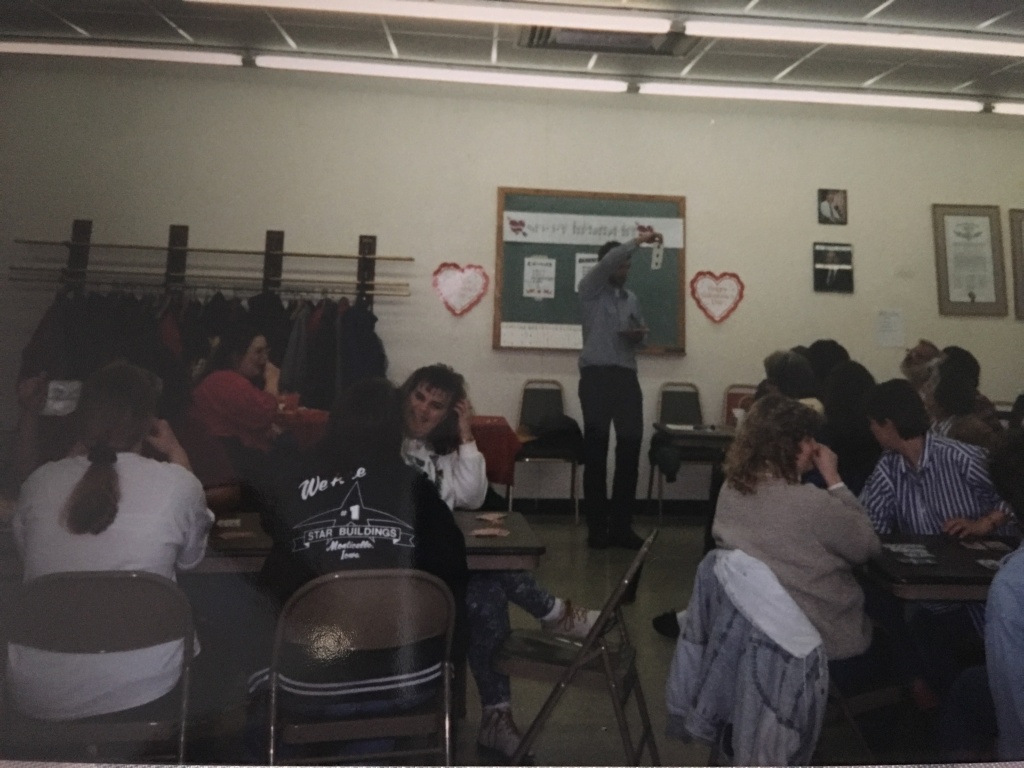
pixel 1017 247
pixel 969 260
pixel 833 268
pixel 832 206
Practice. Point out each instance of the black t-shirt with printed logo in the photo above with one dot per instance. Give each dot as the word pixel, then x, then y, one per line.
pixel 383 516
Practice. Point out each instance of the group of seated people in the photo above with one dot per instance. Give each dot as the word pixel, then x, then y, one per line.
pixel 125 498
pixel 825 460
pixel 807 494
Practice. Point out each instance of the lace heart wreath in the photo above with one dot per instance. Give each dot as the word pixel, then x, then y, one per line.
pixel 460 288
pixel 717 295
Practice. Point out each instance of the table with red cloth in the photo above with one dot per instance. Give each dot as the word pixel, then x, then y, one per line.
pixel 307 425
pixel 499 444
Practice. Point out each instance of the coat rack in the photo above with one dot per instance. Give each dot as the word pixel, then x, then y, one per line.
pixel 77 273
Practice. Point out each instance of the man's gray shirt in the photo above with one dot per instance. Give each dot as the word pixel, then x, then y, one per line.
pixel 607 310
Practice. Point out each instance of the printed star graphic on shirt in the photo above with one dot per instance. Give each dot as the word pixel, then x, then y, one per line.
pixel 349 521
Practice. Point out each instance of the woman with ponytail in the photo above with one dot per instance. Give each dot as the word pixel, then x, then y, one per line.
pixel 106 507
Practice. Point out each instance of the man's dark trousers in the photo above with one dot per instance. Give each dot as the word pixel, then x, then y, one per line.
pixel 610 394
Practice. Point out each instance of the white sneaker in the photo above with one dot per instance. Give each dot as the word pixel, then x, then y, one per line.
pixel 498 731
pixel 574 622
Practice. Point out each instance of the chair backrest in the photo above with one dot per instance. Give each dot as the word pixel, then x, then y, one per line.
pixel 739 396
pixel 332 618
pixel 679 403
pixel 100 612
pixel 541 403
pixel 613 604
pixel 371 609
pixel 94 612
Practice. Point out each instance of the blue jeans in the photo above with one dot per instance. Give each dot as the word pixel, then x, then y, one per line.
pixel 487 597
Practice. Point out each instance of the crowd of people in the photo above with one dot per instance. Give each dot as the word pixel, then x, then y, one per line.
pixel 826 459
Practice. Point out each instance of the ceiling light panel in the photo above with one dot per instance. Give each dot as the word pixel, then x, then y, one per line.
pixel 180 55
pixel 809 96
pixel 481 13
pixel 441 74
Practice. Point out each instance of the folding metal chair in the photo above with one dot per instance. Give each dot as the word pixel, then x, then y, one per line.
pixel 678 403
pixel 542 405
pixel 737 396
pixel 403 613
pixel 98 612
pixel 605 660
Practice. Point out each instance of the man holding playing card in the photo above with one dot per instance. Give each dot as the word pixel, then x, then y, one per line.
pixel 613 329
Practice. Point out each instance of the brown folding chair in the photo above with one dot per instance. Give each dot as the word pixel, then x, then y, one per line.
pixel 605 661
pixel 543 405
pixel 94 612
pixel 737 396
pixel 340 614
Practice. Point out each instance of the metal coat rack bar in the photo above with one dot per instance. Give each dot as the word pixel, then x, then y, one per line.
pixel 77 272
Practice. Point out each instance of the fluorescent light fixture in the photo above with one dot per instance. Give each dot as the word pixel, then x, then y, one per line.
pixel 877 38
pixel 124 52
pixel 441 74
pixel 521 14
pixel 1008 108
pixel 804 96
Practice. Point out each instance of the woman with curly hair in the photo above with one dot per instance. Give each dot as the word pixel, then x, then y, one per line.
pixel 810 538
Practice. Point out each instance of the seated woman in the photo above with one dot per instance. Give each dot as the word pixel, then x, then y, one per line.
pixel 439 443
pixel 951 404
pixel 810 538
pixel 108 508
pixel 358 468
pixel 237 401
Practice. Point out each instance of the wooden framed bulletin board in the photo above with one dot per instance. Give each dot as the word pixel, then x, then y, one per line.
pixel 548 239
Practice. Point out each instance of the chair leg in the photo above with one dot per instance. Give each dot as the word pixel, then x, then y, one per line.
pixel 645 722
pixel 541 718
pixel 574 494
pixel 650 487
pixel 661 501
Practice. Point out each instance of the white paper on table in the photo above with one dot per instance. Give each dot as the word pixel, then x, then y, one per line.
pixel 889 331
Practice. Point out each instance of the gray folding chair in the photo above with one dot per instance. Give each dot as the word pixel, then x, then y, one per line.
pixel 392 612
pixel 98 612
pixel 604 661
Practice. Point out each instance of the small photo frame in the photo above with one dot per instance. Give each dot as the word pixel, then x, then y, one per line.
pixel 832 206
pixel 833 268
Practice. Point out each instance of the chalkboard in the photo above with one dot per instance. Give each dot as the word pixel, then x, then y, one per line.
pixel 546 241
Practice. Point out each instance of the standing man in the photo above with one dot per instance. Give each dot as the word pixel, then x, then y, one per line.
pixel 613 329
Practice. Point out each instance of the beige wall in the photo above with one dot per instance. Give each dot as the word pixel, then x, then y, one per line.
pixel 232 153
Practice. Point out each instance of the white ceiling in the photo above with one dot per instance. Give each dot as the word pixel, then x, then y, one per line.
pixel 182 24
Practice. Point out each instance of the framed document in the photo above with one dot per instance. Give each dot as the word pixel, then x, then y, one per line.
pixel 1017 246
pixel 969 260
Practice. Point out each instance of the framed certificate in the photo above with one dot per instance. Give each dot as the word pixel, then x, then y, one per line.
pixel 969 260
pixel 1017 247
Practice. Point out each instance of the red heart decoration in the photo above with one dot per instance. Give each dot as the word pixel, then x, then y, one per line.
pixel 460 288
pixel 717 295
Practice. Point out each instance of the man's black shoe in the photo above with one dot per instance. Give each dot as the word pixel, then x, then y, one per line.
pixel 666 624
pixel 626 540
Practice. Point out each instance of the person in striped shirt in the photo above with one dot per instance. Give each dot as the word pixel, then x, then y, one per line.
pixel 928 484
pixel 925 483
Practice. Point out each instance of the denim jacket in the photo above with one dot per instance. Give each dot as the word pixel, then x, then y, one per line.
pixel 747 657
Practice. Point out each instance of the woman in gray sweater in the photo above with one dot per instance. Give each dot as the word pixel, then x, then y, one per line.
pixel 809 537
